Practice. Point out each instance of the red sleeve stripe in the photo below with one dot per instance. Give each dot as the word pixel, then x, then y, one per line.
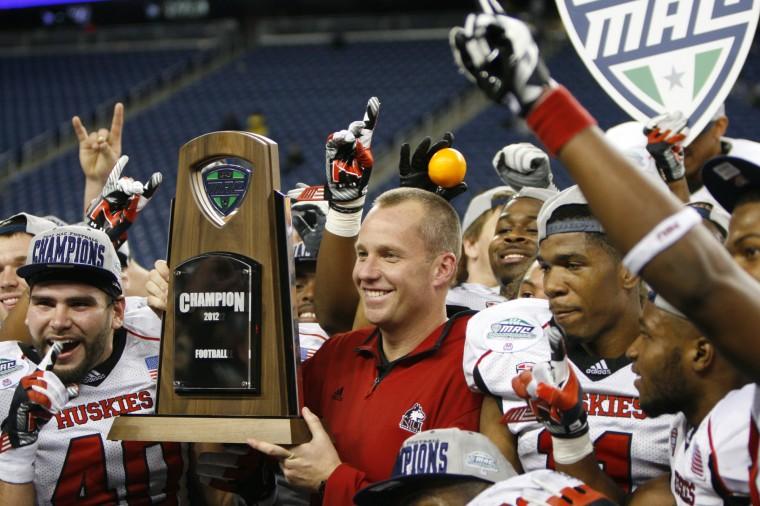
pixel 143 337
pixel 314 335
pixel 484 355
pixel 717 482
pixel 754 443
pixel 5 442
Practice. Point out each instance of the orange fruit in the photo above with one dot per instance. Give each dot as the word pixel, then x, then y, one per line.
pixel 447 167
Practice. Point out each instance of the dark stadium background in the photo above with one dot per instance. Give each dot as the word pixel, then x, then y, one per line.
pixel 186 67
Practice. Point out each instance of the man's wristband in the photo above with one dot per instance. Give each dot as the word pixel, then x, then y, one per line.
pixel 570 450
pixel 343 223
pixel 557 118
pixel 660 238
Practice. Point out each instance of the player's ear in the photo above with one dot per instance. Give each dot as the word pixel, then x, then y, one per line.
pixel 628 279
pixel 720 126
pixel 703 354
pixel 118 313
pixel 444 269
pixel 470 248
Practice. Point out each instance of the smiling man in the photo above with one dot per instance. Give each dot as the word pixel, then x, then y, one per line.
pixel 376 386
pixel 15 234
pixel 514 246
pixel 53 447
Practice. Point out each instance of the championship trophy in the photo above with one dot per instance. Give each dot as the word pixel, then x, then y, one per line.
pixel 228 367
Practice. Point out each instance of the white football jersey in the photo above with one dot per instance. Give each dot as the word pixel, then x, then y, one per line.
pixel 709 464
pixel 311 337
pixel 535 487
pixel 76 463
pixel 506 339
pixel 474 296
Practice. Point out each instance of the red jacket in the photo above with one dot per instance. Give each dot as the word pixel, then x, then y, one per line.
pixel 369 416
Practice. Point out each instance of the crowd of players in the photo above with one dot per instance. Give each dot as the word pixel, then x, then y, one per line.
pixel 590 346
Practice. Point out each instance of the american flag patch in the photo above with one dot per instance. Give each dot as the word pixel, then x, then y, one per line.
pixel 152 364
pixel 696 462
pixel 5 442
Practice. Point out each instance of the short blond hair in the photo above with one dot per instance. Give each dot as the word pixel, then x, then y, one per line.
pixel 439 227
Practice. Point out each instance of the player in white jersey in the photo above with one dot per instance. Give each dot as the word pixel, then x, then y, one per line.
pixel 509 338
pixel 664 242
pixel 680 372
pixel 58 452
pixel 709 463
pixel 597 303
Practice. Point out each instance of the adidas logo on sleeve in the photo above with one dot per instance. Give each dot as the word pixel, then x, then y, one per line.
pixel 599 369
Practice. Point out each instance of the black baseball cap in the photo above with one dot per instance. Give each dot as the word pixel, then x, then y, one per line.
pixel 727 178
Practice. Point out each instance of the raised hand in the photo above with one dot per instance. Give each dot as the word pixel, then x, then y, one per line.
pixel 523 164
pixel 498 54
pixel 665 134
pixel 348 162
pixel 413 168
pixel 121 199
pixel 99 150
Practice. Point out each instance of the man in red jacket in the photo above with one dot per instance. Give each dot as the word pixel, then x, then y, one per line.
pixel 376 386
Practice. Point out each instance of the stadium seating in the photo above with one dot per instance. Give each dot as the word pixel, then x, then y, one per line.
pixel 305 92
pixel 39 92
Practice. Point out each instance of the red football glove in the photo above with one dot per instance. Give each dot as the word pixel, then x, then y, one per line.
pixel 121 199
pixel 349 162
pixel 553 392
pixel 38 397
pixel 665 133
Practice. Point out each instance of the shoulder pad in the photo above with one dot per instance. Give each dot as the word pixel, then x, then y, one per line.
pixel 13 364
pixel 502 340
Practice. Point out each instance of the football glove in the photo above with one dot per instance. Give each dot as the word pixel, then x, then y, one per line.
pixel 498 54
pixel 349 161
pixel 523 164
pixel 413 168
pixel 665 134
pixel 121 199
pixel 553 391
pixel 37 397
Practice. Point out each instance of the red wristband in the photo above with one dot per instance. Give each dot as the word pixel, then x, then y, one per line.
pixel 558 118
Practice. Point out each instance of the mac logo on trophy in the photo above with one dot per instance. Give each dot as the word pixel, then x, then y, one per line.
pixel 229 343
pixel 220 187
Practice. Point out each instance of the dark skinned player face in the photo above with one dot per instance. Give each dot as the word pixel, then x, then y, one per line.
pixel 514 245
pixel 583 282
pixel 743 240
pixel 657 355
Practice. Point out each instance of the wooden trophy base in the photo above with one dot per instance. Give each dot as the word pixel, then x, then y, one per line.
pixel 209 429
